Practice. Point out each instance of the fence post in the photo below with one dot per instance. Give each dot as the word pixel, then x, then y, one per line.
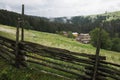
pixel 17 44
pixel 97 55
pixel 19 56
pixel 22 30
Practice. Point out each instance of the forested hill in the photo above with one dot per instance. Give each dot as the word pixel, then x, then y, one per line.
pixel 109 16
pixel 35 23
pixel 84 24
pixel 110 20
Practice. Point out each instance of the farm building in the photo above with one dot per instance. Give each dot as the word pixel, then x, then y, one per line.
pixel 75 34
pixel 84 38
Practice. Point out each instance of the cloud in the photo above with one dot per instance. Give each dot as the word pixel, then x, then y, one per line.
pixel 57 8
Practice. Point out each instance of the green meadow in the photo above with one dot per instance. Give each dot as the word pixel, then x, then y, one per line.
pixel 8 72
pixel 58 41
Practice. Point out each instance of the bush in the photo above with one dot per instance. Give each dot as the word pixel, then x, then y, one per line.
pixel 116 44
pixel 70 35
pixel 66 34
pixel 105 39
pixel 4 76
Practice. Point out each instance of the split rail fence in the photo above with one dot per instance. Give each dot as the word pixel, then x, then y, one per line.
pixel 60 62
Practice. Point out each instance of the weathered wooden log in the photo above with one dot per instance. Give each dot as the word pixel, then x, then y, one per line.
pixel 104 69
pixel 4 52
pixel 57 50
pixel 107 69
pixel 7 49
pixel 58 64
pixel 19 56
pixel 71 59
pixel 7 39
pixel 84 77
pixel 109 75
pixel 113 64
pixel 66 77
pixel 3 57
pixel 9 46
pixel 64 56
pixel 100 58
pixel 7 54
pixel 78 64
pixel 98 76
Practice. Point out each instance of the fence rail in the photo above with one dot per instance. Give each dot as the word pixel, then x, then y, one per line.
pixel 58 61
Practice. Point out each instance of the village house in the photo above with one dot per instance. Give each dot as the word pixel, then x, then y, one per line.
pixel 65 33
pixel 75 34
pixel 84 38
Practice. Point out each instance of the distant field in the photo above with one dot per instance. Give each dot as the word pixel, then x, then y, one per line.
pixel 54 40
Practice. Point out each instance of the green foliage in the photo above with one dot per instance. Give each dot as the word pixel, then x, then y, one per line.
pixel 27 25
pixel 34 22
pixel 80 24
pixel 105 39
pixel 116 44
pixel 8 72
pixel 106 42
pixel 70 35
pixel 4 76
pixel 60 32
pixel 54 40
pixel 66 34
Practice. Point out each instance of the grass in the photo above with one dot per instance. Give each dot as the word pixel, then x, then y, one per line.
pixel 8 72
pixel 54 40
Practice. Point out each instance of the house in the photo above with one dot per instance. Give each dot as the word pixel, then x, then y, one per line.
pixel 75 34
pixel 65 33
pixel 84 38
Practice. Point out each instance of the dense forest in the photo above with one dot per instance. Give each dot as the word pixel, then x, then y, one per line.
pixel 35 23
pixel 80 24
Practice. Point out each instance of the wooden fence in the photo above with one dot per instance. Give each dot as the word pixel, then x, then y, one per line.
pixel 72 65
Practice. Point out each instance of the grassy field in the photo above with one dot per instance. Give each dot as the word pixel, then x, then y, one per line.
pixel 8 72
pixel 54 40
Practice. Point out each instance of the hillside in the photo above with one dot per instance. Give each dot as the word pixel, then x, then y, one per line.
pixel 80 24
pixel 54 40
pixel 110 16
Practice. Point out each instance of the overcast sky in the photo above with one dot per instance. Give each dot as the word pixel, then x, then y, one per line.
pixel 60 8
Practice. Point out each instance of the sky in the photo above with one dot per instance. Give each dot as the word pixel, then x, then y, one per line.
pixel 61 8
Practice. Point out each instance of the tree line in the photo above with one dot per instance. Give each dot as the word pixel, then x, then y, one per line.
pixel 35 23
pixel 78 24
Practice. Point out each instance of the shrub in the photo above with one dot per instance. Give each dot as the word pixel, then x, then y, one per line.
pixel 105 39
pixel 116 44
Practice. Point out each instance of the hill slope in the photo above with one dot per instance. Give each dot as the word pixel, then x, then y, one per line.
pixel 54 40
pixel 109 15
